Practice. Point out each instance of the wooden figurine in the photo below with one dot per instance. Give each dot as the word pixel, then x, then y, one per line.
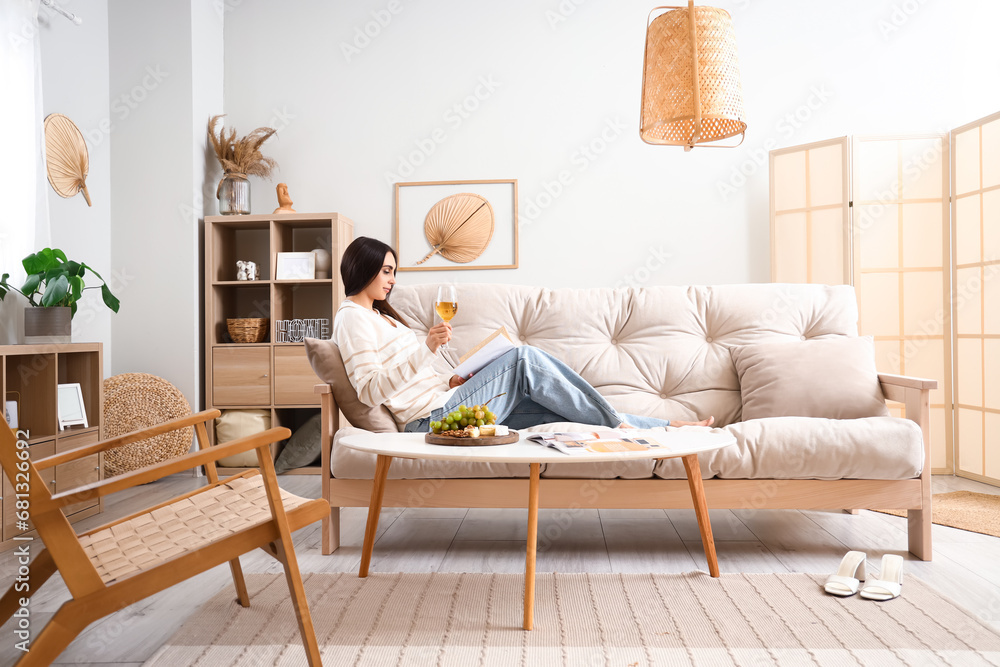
pixel 284 201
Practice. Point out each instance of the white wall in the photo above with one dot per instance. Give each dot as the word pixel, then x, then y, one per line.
pixel 166 61
pixel 350 108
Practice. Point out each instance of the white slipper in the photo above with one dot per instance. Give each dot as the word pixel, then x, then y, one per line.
pixel 850 573
pixel 890 580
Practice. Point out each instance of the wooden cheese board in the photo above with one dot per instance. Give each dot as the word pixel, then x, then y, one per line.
pixel 481 441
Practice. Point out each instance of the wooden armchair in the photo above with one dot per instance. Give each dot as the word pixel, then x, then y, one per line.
pixel 124 561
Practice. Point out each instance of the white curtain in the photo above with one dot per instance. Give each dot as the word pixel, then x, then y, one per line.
pixel 24 225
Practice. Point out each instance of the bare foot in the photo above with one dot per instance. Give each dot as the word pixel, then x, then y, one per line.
pixel 703 422
pixel 625 425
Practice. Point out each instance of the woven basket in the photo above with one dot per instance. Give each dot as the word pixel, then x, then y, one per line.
pixel 134 401
pixel 668 79
pixel 247 329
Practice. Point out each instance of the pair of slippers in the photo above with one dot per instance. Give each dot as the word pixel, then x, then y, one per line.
pixel 851 573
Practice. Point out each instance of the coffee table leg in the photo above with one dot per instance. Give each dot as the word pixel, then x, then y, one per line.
pixel 529 561
pixel 701 511
pixel 374 508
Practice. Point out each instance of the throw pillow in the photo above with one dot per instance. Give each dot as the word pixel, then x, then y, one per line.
pixel 236 424
pixel 303 448
pixel 324 356
pixel 833 378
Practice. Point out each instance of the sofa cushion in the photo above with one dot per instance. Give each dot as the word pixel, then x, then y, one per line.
pixel 347 463
pixel 810 448
pixel 833 378
pixel 324 356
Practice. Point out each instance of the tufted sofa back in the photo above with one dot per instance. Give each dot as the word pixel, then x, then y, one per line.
pixel 657 351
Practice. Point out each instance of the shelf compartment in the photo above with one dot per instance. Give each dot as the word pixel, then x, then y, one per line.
pixel 293 419
pixel 301 236
pixel 239 240
pixel 233 301
pixel 302 301
pixel 33 377
pixel 85 369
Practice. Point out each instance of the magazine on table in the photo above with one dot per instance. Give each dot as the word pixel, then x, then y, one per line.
pixel 602 442
pixel 491 348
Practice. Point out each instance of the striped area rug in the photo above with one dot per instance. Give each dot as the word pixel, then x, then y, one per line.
pixel 626 620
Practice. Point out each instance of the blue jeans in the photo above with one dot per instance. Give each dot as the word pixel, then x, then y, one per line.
pixel 537 389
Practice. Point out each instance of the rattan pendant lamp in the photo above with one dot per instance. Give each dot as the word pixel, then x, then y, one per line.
pixel 691 90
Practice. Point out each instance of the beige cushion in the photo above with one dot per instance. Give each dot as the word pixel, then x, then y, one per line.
pixel 833 378
pixel 808 448
pixel 236 424
pixel 324 356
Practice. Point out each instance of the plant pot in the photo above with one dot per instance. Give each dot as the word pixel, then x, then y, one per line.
pixel 234 195
pixel 48 325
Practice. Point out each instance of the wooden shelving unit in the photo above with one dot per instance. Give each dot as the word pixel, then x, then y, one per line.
pixel 268 375
pixel 31 374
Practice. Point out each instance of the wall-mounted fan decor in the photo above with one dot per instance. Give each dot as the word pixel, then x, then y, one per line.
pixel 66 157
pixel 456 225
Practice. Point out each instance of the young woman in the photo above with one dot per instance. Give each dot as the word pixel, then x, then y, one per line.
pixel 389 366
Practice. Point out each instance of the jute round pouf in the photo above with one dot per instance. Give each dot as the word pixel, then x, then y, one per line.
pixel 134 401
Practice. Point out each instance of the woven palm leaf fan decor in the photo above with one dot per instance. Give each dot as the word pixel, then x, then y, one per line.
pixel 459 227
pixel 66 157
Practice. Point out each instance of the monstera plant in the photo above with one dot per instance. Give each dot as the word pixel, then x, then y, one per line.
pixel 54 285
pixel 55 281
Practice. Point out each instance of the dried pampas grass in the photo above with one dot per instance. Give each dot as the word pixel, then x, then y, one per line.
pixel 241 155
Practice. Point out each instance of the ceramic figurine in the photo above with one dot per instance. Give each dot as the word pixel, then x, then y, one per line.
pixel 246 270
pixel 324 262
pixel 284 201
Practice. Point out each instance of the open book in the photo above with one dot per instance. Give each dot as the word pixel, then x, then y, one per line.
pixel 597 441
pixel 493 346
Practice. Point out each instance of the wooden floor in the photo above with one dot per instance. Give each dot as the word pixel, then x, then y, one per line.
pixel 483 540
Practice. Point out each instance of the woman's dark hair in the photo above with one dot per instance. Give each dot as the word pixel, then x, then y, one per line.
pixel 359 266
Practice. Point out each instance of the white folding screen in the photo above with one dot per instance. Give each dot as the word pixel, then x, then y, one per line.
pixel 976 302
pixel 810 213
pixel 899 256
pixel 891 244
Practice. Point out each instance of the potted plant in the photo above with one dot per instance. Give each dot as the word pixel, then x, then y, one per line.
pixel 240 158
pixel 53 286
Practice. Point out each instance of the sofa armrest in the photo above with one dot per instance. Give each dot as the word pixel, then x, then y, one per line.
pixel 915 394
pixel 906 381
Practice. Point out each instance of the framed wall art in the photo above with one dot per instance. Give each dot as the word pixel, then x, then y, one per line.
pixel 450 225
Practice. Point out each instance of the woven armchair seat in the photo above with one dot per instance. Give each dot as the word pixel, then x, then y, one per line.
pixel 188 524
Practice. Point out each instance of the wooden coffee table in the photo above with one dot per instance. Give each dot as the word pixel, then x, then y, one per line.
pixel 685 444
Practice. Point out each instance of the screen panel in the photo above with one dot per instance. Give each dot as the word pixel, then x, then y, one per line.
pixel 810 213
pixel 976 303
pixel 900 238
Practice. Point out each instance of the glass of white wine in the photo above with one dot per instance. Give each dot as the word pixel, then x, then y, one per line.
pixel 446 305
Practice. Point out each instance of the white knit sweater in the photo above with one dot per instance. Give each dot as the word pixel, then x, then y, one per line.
pixel 387 364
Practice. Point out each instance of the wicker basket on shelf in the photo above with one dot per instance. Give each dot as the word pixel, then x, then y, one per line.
pixel 247 329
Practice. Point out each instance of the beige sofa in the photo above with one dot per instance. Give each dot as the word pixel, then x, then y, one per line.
pixel 666 352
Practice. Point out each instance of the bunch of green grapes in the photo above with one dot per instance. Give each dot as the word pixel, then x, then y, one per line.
pixel 477 415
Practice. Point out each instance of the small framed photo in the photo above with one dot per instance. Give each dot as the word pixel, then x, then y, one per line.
pixel 295 266
pixel 72 411
pixel 10 411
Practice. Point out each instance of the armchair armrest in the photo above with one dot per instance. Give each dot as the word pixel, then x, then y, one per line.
pixel 322 389
pixel 128 438
pixel 258 441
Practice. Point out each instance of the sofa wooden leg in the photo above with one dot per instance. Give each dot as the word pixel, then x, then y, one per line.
pixel 918 530
pixel 330 541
